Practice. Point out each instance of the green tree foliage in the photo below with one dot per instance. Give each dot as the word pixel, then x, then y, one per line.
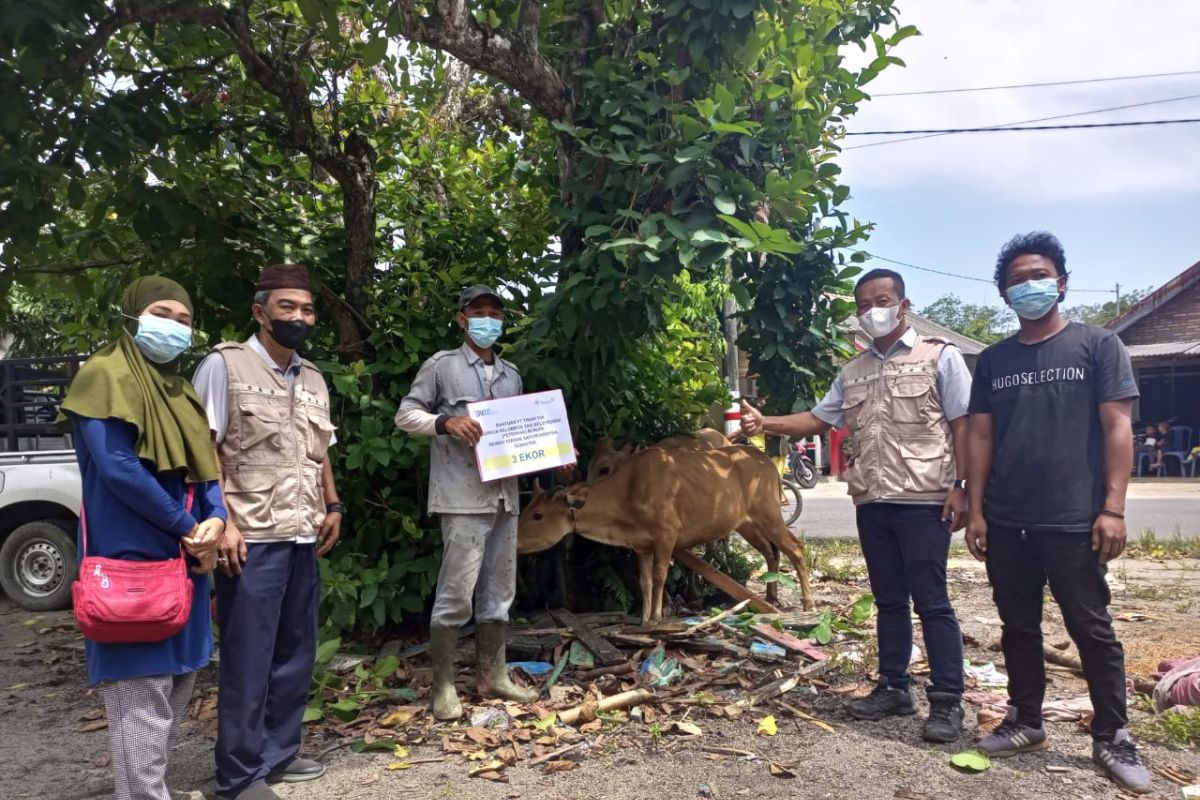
pixel 614 165
pixel 1106 312
pixel 982 323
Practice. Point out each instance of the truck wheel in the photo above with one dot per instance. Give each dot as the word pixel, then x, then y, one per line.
pixel 37 565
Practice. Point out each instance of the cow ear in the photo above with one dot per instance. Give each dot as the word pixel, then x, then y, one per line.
pixel 577 495
pixel 628 448
pixel 639 448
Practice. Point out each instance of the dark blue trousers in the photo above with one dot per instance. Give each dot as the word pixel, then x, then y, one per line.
pixel 268 629
pixel 906 547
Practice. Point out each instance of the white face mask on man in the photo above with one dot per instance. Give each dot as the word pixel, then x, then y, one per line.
pixel 879 322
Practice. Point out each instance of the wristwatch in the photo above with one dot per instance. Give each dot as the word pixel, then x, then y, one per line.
pixel 960 483
pixel 335 508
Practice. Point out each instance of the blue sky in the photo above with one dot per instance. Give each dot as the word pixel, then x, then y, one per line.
pixel 1124 202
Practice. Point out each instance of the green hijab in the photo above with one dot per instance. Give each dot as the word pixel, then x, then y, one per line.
pixel 118 382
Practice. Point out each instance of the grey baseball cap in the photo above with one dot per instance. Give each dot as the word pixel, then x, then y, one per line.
pixel 472 293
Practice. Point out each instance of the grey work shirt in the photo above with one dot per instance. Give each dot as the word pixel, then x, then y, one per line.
pixel 212 384
pixel 444 385
pixel 953 383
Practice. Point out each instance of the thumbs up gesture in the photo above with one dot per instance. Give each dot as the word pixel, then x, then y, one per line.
pixel 752 420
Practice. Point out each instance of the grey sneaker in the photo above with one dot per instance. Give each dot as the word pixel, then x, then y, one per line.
pixel 1011 738
pixel 883 701
pixel 1119 758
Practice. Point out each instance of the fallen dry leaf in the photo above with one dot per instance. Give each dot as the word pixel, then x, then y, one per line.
pixel 478 755
pixel 904 793
pixel 780 771
pixel 97 725
pixel 401 716
pixel 491 766
pixel 988 718
pixel 767 726
pixel 88 716
pixel 685 728
pixel 398 765
pixel 559 766
pixel 595 726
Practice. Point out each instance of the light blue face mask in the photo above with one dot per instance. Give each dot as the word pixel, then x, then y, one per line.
pixel 484 331
pixel 161 340
pixel 1034 299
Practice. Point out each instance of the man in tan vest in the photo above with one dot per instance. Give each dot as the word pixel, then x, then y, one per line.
pixel 905 402
pixel 268 409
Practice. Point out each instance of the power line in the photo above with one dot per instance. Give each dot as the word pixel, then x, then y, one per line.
pixel 1032 121
pixel 1037 85
pixel 941 131
pixel 955 274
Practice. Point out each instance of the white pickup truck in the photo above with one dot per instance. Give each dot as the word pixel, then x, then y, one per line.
pixel 40 490
pixel 40 494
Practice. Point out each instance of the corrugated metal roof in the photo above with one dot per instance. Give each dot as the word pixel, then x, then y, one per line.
pixel 1156 298
pixel 1164 349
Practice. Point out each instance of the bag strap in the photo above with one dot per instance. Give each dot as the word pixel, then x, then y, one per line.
pixel 191 497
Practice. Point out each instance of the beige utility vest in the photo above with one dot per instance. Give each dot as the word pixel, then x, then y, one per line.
pixel 900 447
pixel 274 447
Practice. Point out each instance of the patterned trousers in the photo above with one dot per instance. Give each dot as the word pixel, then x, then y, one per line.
pixel 144 715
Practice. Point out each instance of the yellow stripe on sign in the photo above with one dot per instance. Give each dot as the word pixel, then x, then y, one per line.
pixel 529 455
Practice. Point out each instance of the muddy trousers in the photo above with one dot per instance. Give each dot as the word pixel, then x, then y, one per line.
pixel 143 725
pixel 268 627
pixel 479 563
pixel 1019 564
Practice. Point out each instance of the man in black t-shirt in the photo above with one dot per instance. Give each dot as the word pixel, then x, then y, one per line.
pixel 1049 455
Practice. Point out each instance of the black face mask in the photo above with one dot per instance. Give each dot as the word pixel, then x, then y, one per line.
pixel 291 333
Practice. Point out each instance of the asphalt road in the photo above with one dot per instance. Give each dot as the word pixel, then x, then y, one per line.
pixel 833 517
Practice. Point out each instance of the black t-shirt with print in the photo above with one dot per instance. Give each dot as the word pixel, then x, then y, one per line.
pixel 1048 446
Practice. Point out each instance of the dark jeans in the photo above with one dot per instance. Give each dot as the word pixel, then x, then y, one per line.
pixel 906 547
pixel 1019 564
pixel 268 628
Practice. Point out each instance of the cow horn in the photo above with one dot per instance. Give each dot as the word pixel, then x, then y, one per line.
pixel 537 489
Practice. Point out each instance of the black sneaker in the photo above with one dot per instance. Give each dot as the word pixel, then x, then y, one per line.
pixel 945 718
pixel 883 701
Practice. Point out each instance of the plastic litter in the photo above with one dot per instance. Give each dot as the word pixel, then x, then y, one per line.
pixel 493 717
pixel 986 675
pixel 532 668
pixel 767 651
pixel 658 670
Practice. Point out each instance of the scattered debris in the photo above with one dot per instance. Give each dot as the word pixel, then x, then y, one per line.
pixel 780 771
pixel 767 726
pixel 985 676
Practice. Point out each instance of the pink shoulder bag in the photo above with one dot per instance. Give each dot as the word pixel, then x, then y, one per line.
pixel 128 602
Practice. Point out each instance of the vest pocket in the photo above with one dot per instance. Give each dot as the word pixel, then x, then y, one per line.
pixel 259 423
pixel 852 405
pixel 320 431
pixel 920 467
pixel 912 399
pixel 250 495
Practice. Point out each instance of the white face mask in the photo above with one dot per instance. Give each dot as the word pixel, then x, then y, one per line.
pixel 879 322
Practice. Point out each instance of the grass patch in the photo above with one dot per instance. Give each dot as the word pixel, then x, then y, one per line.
pixel 835 559
pixel 1149 545
pixel 1174 727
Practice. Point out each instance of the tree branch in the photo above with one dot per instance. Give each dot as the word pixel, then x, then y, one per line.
pixel 512 59
pixel 82 266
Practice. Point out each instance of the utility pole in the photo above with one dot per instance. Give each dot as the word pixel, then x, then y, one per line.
pixel 1118 290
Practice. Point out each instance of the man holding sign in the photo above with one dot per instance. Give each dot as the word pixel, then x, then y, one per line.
pixel 479 520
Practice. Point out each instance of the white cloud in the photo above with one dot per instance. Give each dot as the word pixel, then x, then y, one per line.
pixel 976 43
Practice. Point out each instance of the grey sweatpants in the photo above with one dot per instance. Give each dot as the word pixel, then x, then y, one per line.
pixel 143 725
pixel 479 560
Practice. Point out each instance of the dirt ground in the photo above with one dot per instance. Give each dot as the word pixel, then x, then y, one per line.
pixel 54 746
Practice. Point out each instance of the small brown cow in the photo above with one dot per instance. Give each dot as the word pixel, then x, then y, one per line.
pixel 659 501
pixel 607 455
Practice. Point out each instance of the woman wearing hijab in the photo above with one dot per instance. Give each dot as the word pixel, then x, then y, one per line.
pixel 142 442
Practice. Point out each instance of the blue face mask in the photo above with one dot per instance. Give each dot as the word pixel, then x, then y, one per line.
pixel 484 331
pixel 1034 299
pixel 161 340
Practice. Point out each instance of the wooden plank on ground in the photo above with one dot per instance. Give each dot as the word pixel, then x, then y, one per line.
pixel 606 654
pixel 786 640
pixel 722 581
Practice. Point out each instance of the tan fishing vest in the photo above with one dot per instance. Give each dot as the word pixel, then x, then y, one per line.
pixel 274 447
pixel 900 447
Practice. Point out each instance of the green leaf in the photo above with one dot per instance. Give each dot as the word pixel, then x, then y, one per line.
pixel 387 667
pixel 709 236
pixel 374 51
pixel 973 760
pixel 313 714
pixel 860 612
pixel 744 228
pixel 778 577
pixel 311 11
pixel 688 154
pixel 725 204
pixel 327 650
pixel 730 127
